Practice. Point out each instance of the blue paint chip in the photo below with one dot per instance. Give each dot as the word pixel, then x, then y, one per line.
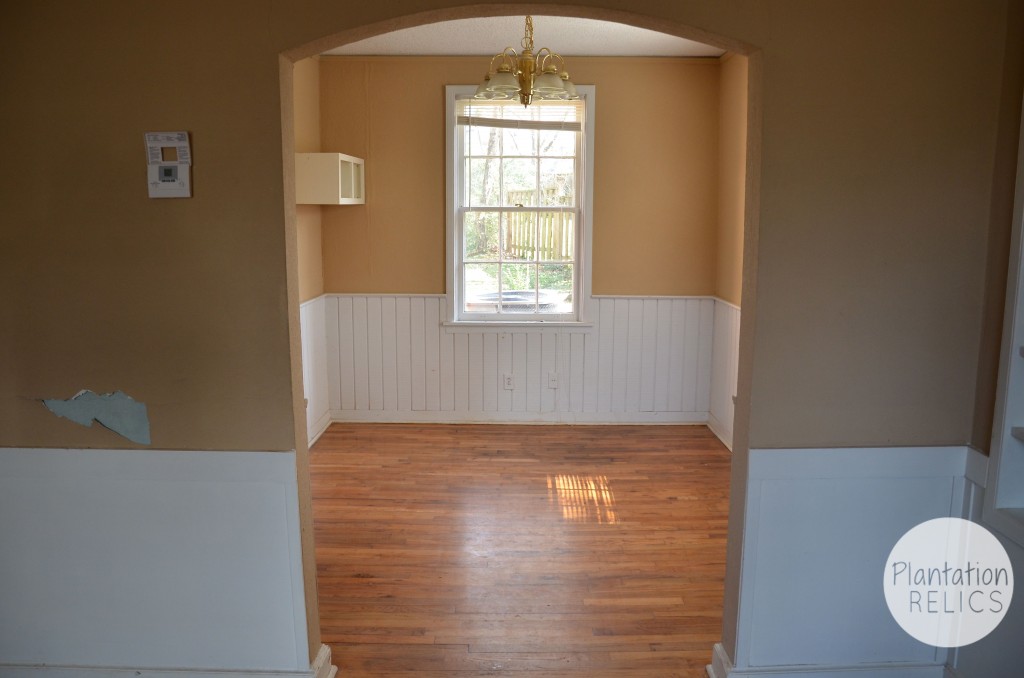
pixel 117 411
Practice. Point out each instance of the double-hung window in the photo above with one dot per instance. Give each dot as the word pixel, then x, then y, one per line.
pixel 518 209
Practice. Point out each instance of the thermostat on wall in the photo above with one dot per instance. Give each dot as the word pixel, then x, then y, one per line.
pixel 168 164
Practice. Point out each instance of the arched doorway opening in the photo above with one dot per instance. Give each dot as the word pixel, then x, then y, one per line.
pixel 750 180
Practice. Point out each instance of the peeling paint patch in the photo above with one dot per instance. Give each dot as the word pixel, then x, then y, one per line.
pixel 117 411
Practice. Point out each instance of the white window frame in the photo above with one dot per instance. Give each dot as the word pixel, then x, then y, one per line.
pixel 582 293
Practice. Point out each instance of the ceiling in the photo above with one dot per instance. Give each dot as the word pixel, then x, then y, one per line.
pixel 566 35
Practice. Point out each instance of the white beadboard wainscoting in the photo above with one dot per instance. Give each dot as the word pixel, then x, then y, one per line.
pixel 313 328
pixel 724 369
pixel 144 562
pixel 820 524
pixel 393 358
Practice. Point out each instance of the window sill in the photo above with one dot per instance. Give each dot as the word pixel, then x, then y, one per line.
pixel 514 325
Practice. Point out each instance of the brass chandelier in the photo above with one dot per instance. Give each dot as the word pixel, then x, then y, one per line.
pixel 541 75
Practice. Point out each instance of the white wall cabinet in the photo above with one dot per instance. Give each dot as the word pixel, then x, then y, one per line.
pixel 329 179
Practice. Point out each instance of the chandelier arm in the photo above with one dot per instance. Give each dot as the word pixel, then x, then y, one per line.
pixel 506 60
pixel 541 56
pixel 511 59
pixel 542 62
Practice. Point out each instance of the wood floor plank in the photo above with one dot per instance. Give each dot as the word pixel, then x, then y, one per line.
pixel 481 550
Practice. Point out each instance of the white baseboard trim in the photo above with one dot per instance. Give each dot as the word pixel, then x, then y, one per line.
pixel 881 671
pixel 723 432
pixel 451 417
pixel 22 671
pixel 722 667
pixel 319 427
pixel 322 667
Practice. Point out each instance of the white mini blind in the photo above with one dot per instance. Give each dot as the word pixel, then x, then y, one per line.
pixel 561 115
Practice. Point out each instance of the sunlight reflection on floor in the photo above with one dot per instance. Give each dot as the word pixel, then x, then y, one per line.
pixel 583 499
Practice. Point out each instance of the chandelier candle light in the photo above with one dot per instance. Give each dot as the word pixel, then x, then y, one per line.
pixel 541 75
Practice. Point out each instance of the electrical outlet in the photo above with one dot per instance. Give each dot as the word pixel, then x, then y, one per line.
pixel 507 381
pixel 552 379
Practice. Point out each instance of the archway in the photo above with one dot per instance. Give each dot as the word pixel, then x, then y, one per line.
pixel 749 249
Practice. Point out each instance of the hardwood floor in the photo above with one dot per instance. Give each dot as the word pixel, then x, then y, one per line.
pixel 472 550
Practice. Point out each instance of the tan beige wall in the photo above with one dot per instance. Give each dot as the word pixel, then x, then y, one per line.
pixel 306 95
pixel 875 205
pixel 308 233
pixel 1000 216
pixel 181 303
pixel 874 212
pixel 654 185
pixel 396 241
pixel 655 175
pixel 732 157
